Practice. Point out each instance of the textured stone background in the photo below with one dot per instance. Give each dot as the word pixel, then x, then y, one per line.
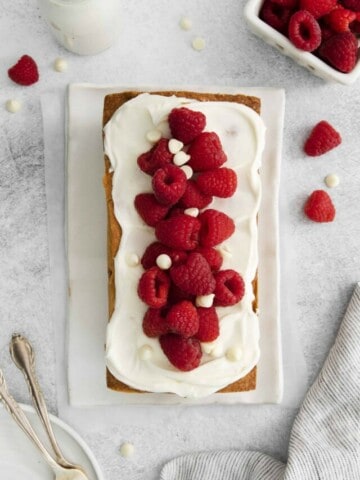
pixel 320 263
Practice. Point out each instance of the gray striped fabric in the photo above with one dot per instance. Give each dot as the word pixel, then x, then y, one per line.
pixel 325 439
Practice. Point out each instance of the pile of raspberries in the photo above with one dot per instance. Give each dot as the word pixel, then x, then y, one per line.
pixel 327 28
pixel 186 235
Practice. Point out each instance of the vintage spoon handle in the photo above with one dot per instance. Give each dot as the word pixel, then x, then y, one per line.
pixel 23 357
pixel 21 419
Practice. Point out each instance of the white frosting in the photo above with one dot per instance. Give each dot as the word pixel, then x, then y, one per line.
pixel 242 134
pixel 153 135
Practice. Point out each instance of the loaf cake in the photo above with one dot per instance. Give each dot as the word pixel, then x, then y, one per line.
pixel 139 358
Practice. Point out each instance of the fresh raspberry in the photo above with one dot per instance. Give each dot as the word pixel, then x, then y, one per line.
pixel 194 276
pixel 155 249
pixel 215 227
pixel 318 8
pixel 208 324
pixel 186 124
pixel 355 25
pixel 287 3
pixel 25 71
pixel 304 31
pixel 212 256
pixel 169 184
pixel 326 32
pixel 230 288
pixel 206 152
pixel 154 287
pixel 193 197
pixel 176 295
pixel 184 353
pixel 275 15
pixel 353 5
pixel 157 157
pixel 221 182
pixel 154 323
pixel 149 209
pixel 183 319
pixel 340 51
pixel 339 19
pixel 180 232
pixel 319 207
pixel 322 138
pixel 175 211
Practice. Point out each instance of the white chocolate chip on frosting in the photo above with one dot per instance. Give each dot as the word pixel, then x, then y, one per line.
pixel 205 301
pixel 224 251
pixel 188 171
pixel 217 351
pixel 153 136
pixel 132 259
pixel 193 212
pixel 181 158
pixel 198 44
pixel 13 106
pixel 175 146
pixel 332 180
pixel 234 354
pixel 185 23
pixel 127 449
pixel 163 261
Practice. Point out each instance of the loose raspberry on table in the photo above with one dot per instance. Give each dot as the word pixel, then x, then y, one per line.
pixel 304 31
pixel 169 184
pixel 183 319
pixel 215 227
pixel 155 249
pixel 229 289
pixel 319 207
pixel 184 353
pixel 322 139
pixel 208 324
pixel 276 15
pixel 25 71
pixel 340 51
pixel 212 256
pixel 157 157
pixel 185 124
pixel 339 19
pixel 153 287
pixel 193 197
pixel 154 322
pixel 179 232
pixel 221 182
pixel 206 152
pixel 318 8
pixel 149 209
pixel 194 276
pixel 353 5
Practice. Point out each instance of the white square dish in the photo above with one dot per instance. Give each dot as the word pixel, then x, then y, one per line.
pixel 305 59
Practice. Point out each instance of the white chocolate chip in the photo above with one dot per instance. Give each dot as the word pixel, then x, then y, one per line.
pixel 198 44
pixel 13 106
pixel 225 252
pixel 60 65
pixel 185 23
pixel 205 301
pixel 127 449
pixel 188 171
pixel 217 351
pixel 145 352
pixel 163 261
pixel 207 347
pixel 175 146
pixel 181 158
pixel 193 212
pixel 153 136
pixel 132 259
pixel 332 180
pixel 234 354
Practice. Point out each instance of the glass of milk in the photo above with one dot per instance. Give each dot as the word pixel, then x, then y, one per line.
pixel 85 27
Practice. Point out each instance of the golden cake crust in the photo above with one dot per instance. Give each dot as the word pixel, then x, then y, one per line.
pixel 111 103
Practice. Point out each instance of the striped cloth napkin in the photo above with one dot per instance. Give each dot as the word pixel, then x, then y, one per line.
pixel 325 439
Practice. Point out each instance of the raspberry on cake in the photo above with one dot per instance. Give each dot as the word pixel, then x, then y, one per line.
pixel 184 291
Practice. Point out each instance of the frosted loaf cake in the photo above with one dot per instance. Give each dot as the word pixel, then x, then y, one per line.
pixel 134 360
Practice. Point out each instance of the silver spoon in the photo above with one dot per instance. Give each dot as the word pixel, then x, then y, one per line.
pixel 11 405
pixel 23 356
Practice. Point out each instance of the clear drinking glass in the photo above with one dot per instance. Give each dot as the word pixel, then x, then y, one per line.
pixel 85 27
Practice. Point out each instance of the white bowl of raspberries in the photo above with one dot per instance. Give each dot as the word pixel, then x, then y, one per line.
pixel 320 35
